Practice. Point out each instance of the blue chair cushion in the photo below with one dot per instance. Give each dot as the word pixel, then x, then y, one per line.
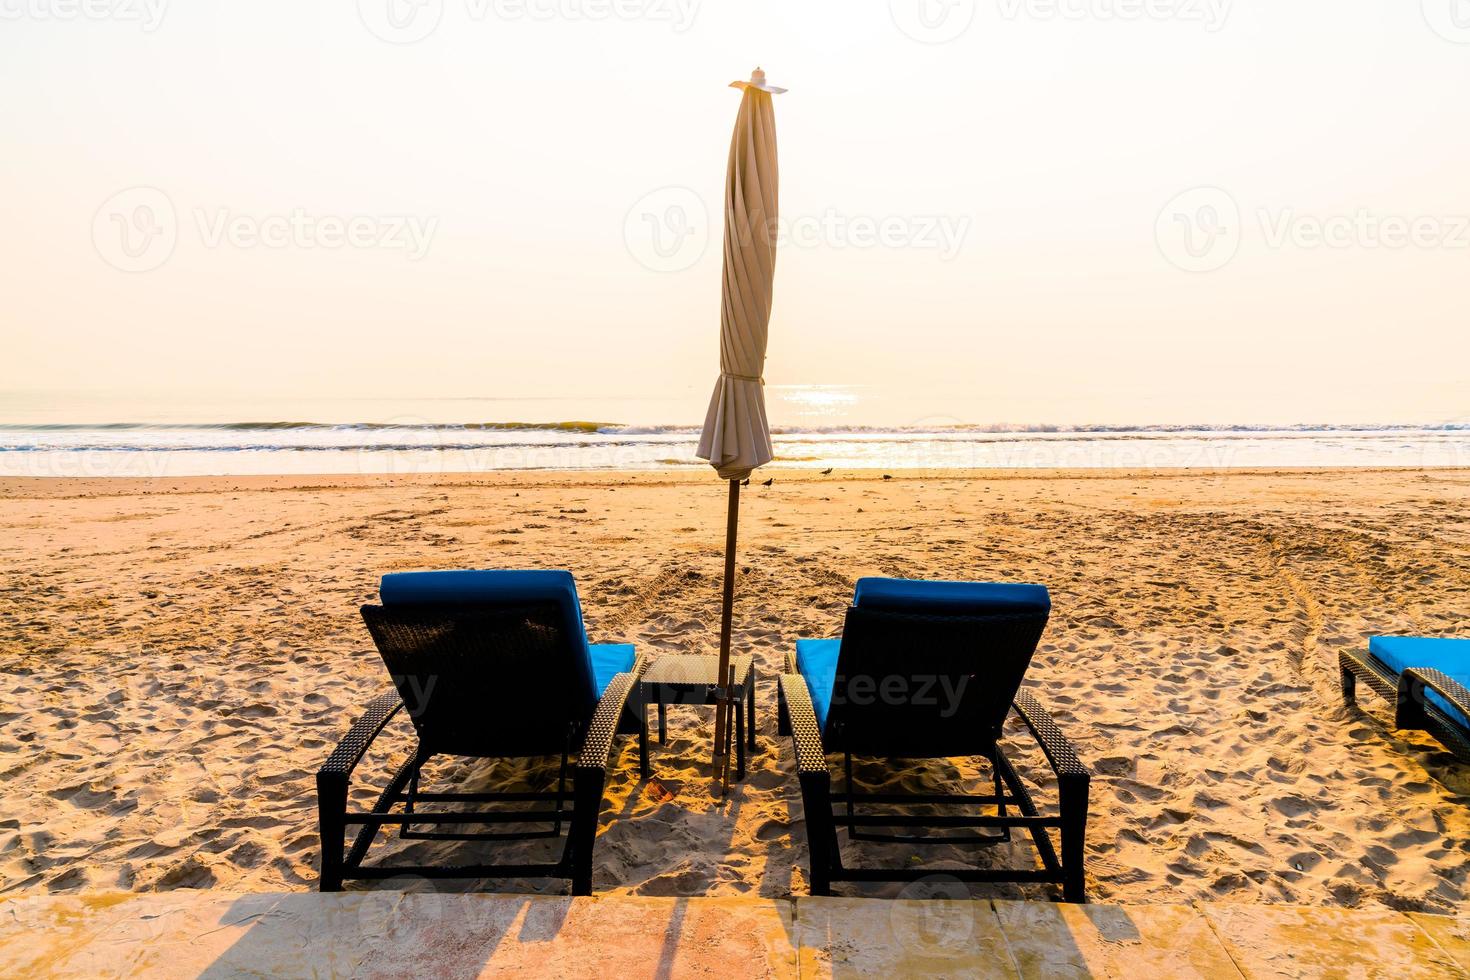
pixel 959 598
pixel 816 661
pixel 1448 656
pixel 608 661
pixel 502 586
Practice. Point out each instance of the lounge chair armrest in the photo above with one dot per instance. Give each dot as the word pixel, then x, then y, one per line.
pixel 1060 754
pixel 1411 695
pixel 597 744
pixel 805 733
pixel 354 744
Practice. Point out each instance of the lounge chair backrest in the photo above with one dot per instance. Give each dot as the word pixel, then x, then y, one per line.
pixel 487 662
pixel 930 669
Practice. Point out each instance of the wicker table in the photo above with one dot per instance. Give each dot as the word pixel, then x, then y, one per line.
pixel 682 679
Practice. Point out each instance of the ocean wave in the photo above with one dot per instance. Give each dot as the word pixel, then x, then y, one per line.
pixel 793 445
pixel 615 428
pixel 276 447
pixel 570 426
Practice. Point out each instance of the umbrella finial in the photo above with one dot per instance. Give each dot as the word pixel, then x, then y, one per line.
pixel 758 81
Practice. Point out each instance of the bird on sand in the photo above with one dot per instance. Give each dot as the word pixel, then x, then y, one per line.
pixel 827 471
pixel 769 482
pixel 745 482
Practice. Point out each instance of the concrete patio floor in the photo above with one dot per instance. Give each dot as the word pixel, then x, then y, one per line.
pixel 383 933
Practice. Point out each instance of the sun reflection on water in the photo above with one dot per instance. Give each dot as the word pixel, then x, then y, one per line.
pixel 816 401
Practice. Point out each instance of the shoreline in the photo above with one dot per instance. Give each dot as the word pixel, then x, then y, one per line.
pixel 21 487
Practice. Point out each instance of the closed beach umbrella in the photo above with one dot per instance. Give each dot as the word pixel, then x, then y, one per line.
pixel 736 437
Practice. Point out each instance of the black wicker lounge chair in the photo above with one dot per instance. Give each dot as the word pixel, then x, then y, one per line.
pixel 929 670
pixel 490 664
pixel 1428 681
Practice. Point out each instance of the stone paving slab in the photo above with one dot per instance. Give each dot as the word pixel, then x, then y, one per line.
pixel 1287 941
pixel 873 937
pixel 189 933
pixel 1161 941
pixel 1451 934
pixel 388 934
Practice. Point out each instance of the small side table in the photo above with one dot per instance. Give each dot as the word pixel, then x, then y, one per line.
pixel 682 679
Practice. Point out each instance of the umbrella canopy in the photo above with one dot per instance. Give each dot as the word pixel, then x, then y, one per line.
pixel 736 436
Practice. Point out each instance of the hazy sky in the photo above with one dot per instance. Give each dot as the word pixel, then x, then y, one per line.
pixel 1066 210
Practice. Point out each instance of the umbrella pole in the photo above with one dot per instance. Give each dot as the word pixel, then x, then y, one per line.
pixel 722 692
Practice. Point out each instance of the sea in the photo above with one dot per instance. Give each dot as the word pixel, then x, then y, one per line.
pixel 813 426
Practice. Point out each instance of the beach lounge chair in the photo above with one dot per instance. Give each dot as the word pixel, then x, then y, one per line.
pixel 928 670
pixel 1428 681
pixel 488 664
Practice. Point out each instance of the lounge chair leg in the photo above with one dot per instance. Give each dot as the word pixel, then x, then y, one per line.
pixel 1073 792
pixel 643 768
pixel 331 802
pixel 1349 681
pixel 738 711
pixel 663 723
pixel 1000 794
pixel 587 788
pixel 1408 707
pixel 750 711
pixel 783 718
pixel 821 831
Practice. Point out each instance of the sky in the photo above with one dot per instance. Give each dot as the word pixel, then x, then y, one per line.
pixel 1067 211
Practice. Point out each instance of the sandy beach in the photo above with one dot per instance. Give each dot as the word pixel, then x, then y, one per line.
pixel 181 654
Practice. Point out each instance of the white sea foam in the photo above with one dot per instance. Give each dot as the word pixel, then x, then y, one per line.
pixel 182 448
